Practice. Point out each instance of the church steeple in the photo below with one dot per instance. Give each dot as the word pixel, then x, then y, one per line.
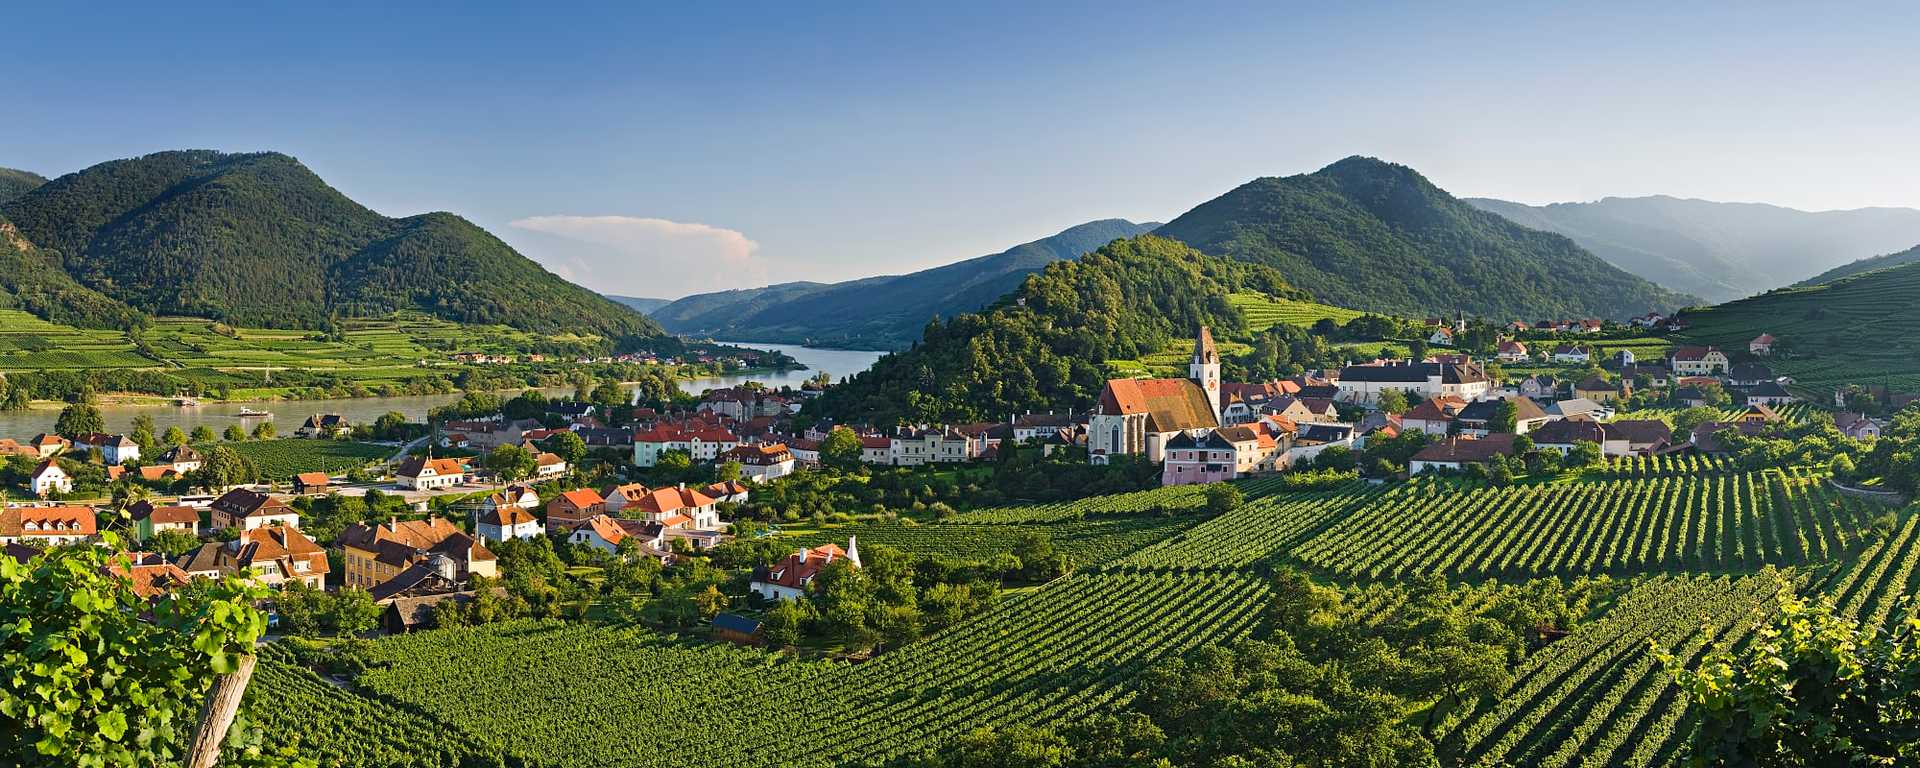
pixel 1205 368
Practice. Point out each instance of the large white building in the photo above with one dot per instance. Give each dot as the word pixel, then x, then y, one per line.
pixel 1363 384
pixel 1140 416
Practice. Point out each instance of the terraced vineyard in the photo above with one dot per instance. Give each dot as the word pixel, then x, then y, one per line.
pixel 590 696
pixel 1263 312
pixel 1619 527
pixel 1837 333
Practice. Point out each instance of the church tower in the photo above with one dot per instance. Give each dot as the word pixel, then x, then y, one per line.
pixel 1205 368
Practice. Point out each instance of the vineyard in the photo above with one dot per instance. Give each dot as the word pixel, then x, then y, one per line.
pixel 1263 312
pixel 1088 542
pixel 282 459
pixel 573 695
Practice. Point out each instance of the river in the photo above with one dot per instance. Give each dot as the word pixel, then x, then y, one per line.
pixel 288 414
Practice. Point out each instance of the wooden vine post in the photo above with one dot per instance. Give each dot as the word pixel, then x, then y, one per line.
pixel 223 702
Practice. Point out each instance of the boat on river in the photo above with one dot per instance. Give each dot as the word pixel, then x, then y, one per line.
pixel 249 413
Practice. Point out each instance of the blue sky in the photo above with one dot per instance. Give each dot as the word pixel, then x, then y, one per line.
pixel 666 149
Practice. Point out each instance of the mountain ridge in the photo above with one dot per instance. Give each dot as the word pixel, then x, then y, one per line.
pixel 1377 236
pixel 259 239
pixel 15 182
pixel 1863 266
pixel 883 311
pixel 1719 250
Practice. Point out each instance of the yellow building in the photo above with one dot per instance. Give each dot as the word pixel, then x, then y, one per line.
pixel 371 554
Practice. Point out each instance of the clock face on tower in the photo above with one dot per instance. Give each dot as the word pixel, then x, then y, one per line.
pixel 1211 384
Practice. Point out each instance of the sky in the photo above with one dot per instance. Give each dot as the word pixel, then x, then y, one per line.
pixel 666 149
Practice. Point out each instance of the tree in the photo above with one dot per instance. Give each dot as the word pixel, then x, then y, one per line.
pixel 203 434
pixel 352 612
pixel 109 677
pixel 174 436
pixel 784 625
pixel 568 445
pixel 1223 498
pixel 126 493
pixel 142 432
pixel 264 431
pixel 1811 689
pixel 234 434
pixel 1585 453
pixel 841 449
pixel 1393 401
pixel 391 425
pixel 711 601
pixel 79 418
pixel 172 542
pixel 512 463
pixel 727 471
pixel 609 396
pixel 1505 419
pixel 222 467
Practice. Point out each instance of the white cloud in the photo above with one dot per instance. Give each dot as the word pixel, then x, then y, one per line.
pixel 634 256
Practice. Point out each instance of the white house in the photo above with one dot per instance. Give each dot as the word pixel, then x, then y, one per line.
pixel 760 463
pixel 1442 336
pixel 1363 384
pixel 788 579
pixel 507 522
pixel 46 526
pixel 1698 361
pixel 703 444
pixel 113 449
pixel 1762 344
pixel 1571 355
pixel 49 478
pixel 1512 351
pixel 422 474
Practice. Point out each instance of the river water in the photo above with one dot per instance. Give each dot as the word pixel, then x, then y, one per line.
pixel 288 414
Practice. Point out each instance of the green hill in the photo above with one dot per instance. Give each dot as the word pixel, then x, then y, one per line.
pixel 14 183
pixel 1865 265
pixel 1850 331
pixel 1370 235
pixel 32 280
pixel 644 306
pixel 1041 347
pixel 259 240
pixel 1722 251
pixel 885 312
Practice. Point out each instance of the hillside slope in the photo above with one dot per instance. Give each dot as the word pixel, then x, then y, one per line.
pixel 1371 235
pixel 14 183
pixel 1721 251
pixel 881 312
pixel 32 280
pixel 1865 265
pixel 1849 331
pixel 644 306
pixel 1041 347
pixel 258 239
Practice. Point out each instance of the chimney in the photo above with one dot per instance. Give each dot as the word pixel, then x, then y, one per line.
pixel 393 522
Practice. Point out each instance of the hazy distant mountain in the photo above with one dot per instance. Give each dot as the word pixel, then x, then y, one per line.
pixel 1720 251
pixel 1372 235
pixel 885 312
pixel 643 306
pixel 15 183
pixel 1868 264
pixel 258 239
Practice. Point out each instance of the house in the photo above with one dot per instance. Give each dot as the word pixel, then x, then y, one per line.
pixel 1691 397
pixel 912 446
pixel 1560 435
pixel 1599 390
pixel 1620 359
pixel 113 449
pixel 1363 384
pixel 270 554
pixel 1649 374
pixel 573 508
pixel 607 534
pixel 1029 427
pixel 330 425
pixel 158 473
pixel 1698 361
pixel 1512 351
pixel 182 458
pixel 1757 413
pixel 48 445
pixel 677 507
pixel 1768 393
pixel 788 579
pixel 700 441
pixel 486 435
pixel 1139 416
pixel 150 518
pixel 1442 336
pixel 412 609
pixel 1640 436
pixel 151 575
pixel 1571 354
pixel 1856 426
pixel 12 447
pixel 371 554
pixel 1220 455
pixel 1475 419
pixel 247 509
pixel 735 628
pixel 311 482
pixel 1750 374
pixel 1433 416
pixel 1315 439
pixel 421 473
pixel 547 466
pixel 1540 387
pixel 49 479
pixel 1579 407
pixel 506 522
pixel 728 491
pixel 742 403
pixel 1455 453
pixel 43 527
pixel 1301 410
pixel 1762 344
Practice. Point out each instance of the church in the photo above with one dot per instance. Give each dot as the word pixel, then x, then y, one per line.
pixel 1140 416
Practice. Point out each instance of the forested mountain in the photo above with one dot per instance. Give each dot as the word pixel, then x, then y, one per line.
pixel 641 305
pixel 1042 346
pixel 14 183
pixel 1375 236
pixel 1721 251
pixel 881 312
pixel 258 239
pixel 32 280
pixel 1868 264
